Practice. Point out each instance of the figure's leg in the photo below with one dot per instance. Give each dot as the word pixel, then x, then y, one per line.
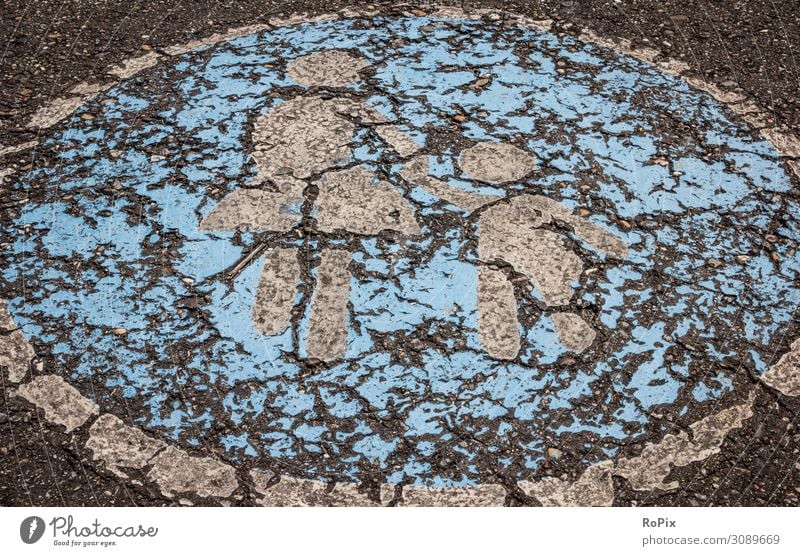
pixel 497 314
pixel 327 334
pixel 277 289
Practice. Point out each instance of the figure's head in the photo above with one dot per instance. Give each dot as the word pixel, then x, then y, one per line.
pixel 488 166
pixel 327 68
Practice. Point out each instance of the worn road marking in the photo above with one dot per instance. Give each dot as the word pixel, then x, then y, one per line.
pixel 62 404
pixel 276 291
pixel 496 162
pixel 497 314
pixel 573 331
pixel 121 447
pixel 327 336
pixel 621 234
pixel 175 472
pixel 349 200
pixel 649 470
pixel 331 68
pixel 785 374
pixel 16 353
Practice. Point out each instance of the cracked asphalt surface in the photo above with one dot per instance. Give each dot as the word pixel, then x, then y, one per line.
pixel 757 463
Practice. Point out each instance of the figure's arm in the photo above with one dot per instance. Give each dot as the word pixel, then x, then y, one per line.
pixel 416 172
pixel 600 239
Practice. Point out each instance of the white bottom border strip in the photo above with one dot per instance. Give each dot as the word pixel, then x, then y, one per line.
pixel 355 531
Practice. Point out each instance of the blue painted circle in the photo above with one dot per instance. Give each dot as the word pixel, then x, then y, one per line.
pixel 110 238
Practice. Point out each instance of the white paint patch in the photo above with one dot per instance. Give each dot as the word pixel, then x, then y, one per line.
pixel 131 67
pixel 119 446
pixel 784 375
pixel 62 404
pixel 650 469
pixel 302 492
pixel 301 18
pixel 596 237
pixel 191 46
pixel 593 488
pixel 50 114
pixel 365 114
pixel 480 495
pixel 397 139
pixel 88 90
pixel 302 136
pixel 16 353
pixel 795 166
pixel 496 162
pixel 509 232
pixel 18 148
pixel 4 173
pixel 176 471
pixel 254 210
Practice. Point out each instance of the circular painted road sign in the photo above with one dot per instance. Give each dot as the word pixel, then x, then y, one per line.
pixel 409 250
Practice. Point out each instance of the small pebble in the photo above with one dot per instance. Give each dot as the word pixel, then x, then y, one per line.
pixel 554 453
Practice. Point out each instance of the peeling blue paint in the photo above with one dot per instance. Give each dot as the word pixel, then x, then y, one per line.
pixel 123 256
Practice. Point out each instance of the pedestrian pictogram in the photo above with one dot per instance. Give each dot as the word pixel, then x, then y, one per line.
pixel 409 250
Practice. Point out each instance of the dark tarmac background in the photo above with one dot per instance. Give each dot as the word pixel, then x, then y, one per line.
pixel 49 46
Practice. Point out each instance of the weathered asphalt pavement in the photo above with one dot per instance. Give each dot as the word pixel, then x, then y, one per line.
pixel 400 257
